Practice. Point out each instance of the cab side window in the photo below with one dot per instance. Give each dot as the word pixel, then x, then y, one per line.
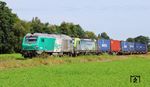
pixel 42 40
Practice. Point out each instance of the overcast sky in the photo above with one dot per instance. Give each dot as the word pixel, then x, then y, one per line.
pixel 119 18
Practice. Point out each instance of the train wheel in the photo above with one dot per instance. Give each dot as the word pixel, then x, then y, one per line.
pixel 25 56
pixel 71 54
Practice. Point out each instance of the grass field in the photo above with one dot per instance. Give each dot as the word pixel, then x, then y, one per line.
pixel 83 71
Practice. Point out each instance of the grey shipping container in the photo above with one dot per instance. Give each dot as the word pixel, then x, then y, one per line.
pixel 87 45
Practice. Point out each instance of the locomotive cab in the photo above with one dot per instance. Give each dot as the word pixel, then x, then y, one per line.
pixel 36 44
pixel 30 43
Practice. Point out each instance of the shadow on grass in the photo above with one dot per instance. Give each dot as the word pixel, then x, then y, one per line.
pixel 22 58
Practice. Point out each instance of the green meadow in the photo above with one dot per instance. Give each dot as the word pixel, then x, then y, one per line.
pixel 83 71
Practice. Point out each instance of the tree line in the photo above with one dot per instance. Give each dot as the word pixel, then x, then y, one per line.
pixel 13 29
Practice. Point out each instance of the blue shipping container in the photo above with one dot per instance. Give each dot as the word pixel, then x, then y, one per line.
pixel 140 48
pixel 127 47
pixel 131 47
pixel 104 45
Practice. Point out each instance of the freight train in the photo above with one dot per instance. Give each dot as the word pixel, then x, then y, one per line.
pixel 54 44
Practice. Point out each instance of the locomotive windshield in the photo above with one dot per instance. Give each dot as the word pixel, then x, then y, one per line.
pixel 31 39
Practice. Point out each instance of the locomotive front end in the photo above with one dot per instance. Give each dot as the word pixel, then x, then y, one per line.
pixel 29 46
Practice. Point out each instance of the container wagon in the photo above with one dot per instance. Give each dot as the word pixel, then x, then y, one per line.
pixel 127 47
pixel 86 46
pixel 103 46
pixel 140 48
pixel 115 46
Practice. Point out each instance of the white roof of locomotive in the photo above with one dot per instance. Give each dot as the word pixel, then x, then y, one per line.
pixel 62 36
